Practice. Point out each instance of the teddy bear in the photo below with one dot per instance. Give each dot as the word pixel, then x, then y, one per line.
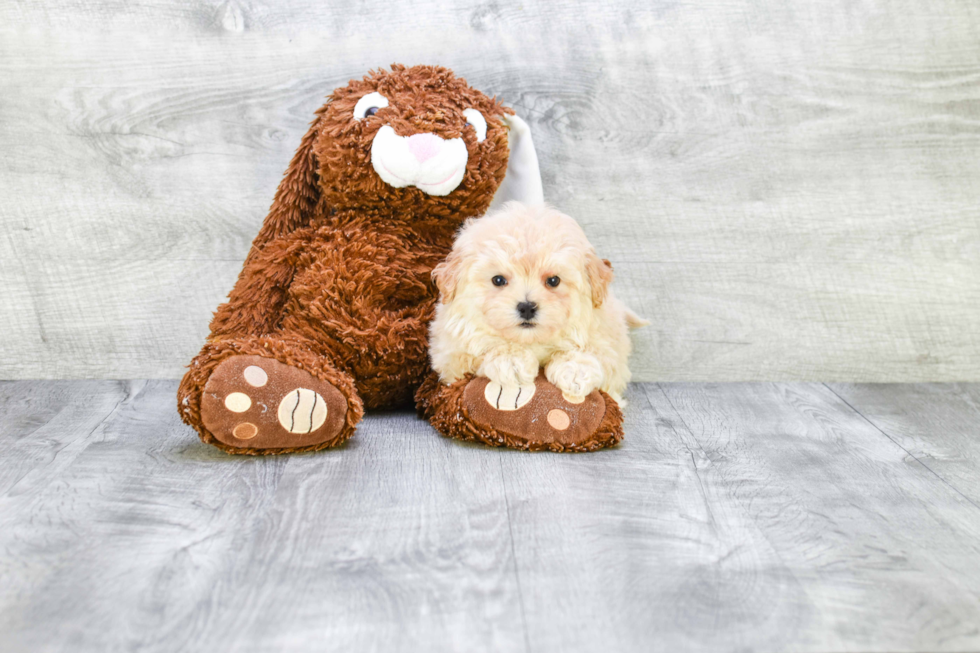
pixel 329 315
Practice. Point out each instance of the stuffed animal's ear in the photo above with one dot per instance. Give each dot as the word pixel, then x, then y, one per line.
pixel 298 192
pixel 447 275
pixel 522 182
pixel 600 274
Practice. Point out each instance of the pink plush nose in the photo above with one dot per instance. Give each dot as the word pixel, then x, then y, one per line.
pixel 424 146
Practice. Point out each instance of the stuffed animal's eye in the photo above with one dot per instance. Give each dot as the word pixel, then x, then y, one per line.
pixel 552 282
pixel 499 281
pixel 369 105
pixel 475 119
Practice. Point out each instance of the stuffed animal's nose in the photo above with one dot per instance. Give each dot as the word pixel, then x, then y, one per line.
pixel 424 146
pixel 527 310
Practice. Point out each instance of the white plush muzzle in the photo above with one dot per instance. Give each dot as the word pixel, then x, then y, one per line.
pixel 432 164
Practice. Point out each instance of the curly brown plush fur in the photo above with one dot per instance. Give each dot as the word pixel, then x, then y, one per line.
pixel 337 282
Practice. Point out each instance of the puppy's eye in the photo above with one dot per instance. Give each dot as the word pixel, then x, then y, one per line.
pixel 499 281
pixel 552 282
pixel 476 120
pixel 369 105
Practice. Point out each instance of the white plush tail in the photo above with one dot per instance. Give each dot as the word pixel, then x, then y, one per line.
pixel 634 321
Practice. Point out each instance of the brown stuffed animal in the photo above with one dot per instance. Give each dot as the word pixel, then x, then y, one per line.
pixel 329 315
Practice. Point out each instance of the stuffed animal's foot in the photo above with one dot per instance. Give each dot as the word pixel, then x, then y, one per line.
pixel 253 402
pixel 533 416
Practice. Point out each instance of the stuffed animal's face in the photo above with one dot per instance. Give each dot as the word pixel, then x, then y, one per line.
pixel 413 140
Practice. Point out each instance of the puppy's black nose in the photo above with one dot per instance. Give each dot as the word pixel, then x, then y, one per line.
pixel 527 310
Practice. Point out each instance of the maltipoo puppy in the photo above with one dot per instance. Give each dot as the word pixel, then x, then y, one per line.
pixel 521 289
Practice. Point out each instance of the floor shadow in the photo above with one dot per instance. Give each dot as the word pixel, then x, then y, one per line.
pixel 195 451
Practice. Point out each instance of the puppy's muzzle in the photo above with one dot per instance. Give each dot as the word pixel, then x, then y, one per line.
pixel 527 311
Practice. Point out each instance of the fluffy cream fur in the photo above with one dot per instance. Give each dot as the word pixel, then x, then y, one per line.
pixel 579 332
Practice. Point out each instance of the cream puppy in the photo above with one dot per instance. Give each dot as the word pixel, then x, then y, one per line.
pixel 521 289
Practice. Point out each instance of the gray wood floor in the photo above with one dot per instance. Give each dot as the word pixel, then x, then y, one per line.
pixel 734 517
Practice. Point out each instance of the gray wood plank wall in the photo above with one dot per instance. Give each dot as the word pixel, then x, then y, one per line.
pixel 788 189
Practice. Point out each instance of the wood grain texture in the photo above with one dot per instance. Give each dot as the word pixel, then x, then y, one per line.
pixel 936 424
pixel 744 517
pixel 787 189
pixel 734 517
pixel 151 540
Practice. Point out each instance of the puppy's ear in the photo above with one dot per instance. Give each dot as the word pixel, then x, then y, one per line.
pixel 600 274
pixel 447 275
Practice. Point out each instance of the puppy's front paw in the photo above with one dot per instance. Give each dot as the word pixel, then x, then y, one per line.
pixel 576 374
pixel 513 368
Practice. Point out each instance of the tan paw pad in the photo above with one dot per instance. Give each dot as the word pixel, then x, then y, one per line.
pixel 245 431
pixel 508 398
pixel 238 402
pixel 255 376
pixel 559 419
pixel 302 411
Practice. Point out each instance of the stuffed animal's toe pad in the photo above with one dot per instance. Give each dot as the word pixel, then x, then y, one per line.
pixel 259 403
pixel 508 398
pixel 538 415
